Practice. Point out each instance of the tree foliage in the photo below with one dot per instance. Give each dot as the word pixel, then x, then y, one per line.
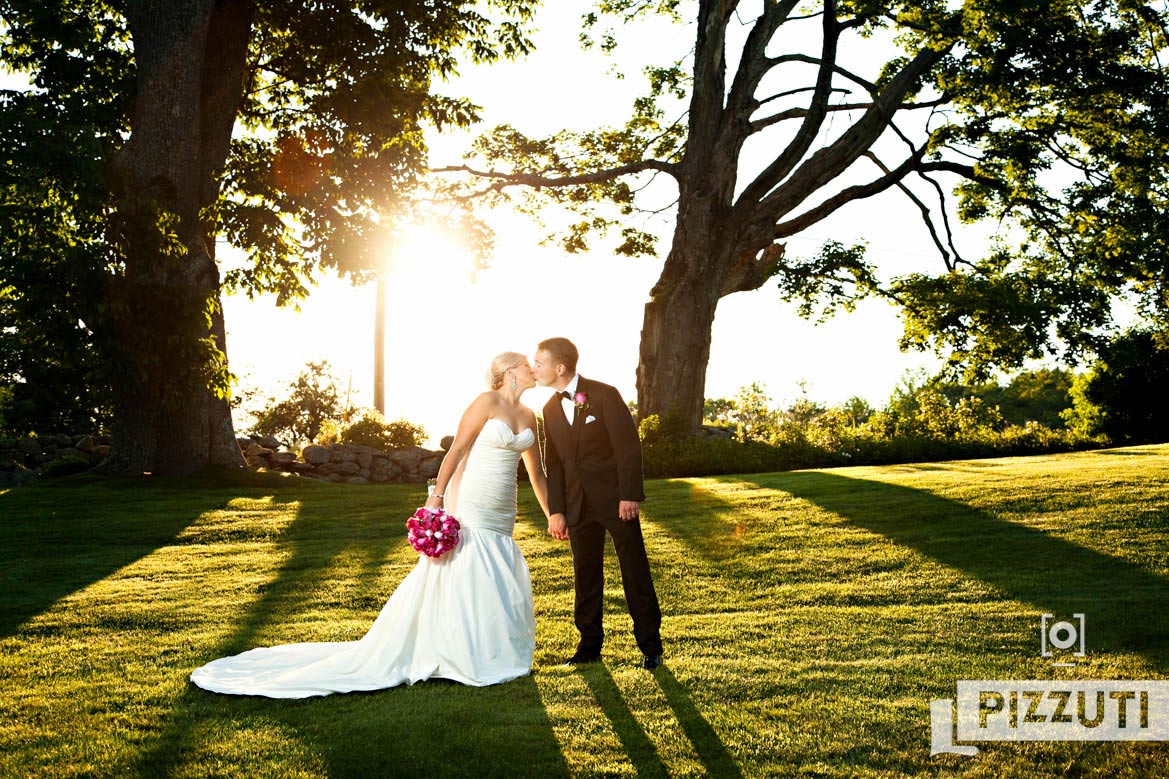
pixel 1039 396
pixel 1123 394
pixel 53 248
pixel 335 98
pixel 50 376
pixel 1050 119
pixel 311 402
pixel 124 169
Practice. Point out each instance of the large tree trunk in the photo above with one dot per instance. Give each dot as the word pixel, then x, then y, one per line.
pixel 713 255
pixel 676 330
pixel 167 419
pixel 675 350
pixel 190 56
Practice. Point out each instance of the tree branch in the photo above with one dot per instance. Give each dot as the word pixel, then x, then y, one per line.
pixel 829 162
pixel 706 98
pixel 952 259
pixel 656 211
pixel 847 195
pixel 945 219
pixel 795 113
pixel 787 160
pixel 926 215
pixel 868 86
pixel 966 171
pixel 749 272
pixel 789 92
pixel 753 62
pixel 536 180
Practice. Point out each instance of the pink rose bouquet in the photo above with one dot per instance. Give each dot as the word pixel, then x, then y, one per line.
pixel 432 532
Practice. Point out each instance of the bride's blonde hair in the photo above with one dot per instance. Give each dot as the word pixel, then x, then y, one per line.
pixel 501 365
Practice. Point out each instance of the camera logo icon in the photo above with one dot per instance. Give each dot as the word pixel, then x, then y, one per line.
pixel 1062 635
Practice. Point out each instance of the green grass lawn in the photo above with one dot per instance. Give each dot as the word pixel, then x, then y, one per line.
pixel 810 619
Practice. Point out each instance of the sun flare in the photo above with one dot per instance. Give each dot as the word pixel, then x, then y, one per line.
pixel 421 253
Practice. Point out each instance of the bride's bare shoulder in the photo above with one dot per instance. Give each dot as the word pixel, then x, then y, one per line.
pixel 485 404
pixel 487 398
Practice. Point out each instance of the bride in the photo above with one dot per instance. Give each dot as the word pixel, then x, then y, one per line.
pixel 466 616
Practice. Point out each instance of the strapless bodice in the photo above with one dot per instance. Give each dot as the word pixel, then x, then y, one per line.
pixel 486 497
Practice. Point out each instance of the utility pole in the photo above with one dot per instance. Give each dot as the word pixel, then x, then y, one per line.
pixel 379 347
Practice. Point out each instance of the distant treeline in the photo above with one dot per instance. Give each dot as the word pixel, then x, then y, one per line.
pixel 1119 400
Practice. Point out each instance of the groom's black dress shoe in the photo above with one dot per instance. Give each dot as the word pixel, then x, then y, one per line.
pixel 583 658
pixel 650 662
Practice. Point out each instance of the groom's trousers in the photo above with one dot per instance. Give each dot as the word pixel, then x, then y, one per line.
pixel 587 538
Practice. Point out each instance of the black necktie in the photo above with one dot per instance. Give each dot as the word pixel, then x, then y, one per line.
pixel 564 394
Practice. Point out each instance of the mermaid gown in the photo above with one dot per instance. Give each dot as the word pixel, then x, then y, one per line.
pixel 466 616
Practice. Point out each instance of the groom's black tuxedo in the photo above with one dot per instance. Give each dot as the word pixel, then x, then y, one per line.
pixel 598 456
pixel 594 464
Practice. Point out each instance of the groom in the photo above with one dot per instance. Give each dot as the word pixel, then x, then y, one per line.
pixel 593 458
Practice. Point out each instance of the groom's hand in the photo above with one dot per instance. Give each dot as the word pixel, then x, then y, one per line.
pixel 558 527
pixel 628 510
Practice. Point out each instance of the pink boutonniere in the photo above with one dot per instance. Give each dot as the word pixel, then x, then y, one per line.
pixel 581 401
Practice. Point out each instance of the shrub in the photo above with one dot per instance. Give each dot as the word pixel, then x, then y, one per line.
pixel 920 423
pixel 5 402
pixel 1031 396
pixel 791 437
pixel 650 429
pixel 701 456
pixel 753 416
pixel 65 465
pixel 311 403
pixel 1035 438
pixel 791 449
pixel 655 428
pixel 371 429
pixel 330 432
pixel 718 411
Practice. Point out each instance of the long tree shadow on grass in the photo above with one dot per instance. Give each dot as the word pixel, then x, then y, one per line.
pixel 638 748
pixel 433 729
pixel 323 532
pixel 1124 602
pixel 710 527
pixel 58 539
pixel 711 750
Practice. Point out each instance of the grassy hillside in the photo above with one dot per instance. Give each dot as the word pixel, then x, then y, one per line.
pixel 810 618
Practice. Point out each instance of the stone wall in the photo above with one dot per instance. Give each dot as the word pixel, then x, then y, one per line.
pixel 23 459
pixel 349 463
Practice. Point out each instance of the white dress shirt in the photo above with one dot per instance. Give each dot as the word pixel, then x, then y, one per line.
pixel 568 404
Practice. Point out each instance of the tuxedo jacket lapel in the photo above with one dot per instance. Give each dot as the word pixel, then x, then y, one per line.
pixel 557 424
pixel 557 427
pixel 578 416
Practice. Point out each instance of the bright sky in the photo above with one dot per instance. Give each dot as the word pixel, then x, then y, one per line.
pixel 442 330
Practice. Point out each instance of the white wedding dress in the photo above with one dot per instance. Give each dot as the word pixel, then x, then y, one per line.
pixel 466 616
